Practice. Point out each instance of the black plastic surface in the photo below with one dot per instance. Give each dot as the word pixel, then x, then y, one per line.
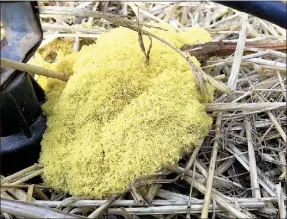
pixel 18 152
pixel 22 123
pixel 19 102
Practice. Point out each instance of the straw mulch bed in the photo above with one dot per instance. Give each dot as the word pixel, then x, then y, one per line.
pixel 239 170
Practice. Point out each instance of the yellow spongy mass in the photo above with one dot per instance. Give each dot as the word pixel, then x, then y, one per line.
pixel 118 117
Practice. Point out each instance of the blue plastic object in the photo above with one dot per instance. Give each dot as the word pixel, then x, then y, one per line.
pixel 272 11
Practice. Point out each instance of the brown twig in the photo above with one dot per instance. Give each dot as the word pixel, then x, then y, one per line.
pixel 220 48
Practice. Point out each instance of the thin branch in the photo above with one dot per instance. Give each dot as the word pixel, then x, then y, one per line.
pixel 7 63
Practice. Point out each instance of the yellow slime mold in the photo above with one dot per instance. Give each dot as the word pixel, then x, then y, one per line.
pixel 118 117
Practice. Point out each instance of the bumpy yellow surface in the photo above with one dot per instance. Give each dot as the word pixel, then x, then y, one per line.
pixel 117 117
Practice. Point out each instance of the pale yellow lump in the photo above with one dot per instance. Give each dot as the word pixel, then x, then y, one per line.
pixel 118 117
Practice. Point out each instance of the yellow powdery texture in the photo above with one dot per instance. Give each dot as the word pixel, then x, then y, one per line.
pixel 54 56
pixel 118 118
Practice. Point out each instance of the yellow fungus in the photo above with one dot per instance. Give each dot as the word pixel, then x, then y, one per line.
pixel 118 117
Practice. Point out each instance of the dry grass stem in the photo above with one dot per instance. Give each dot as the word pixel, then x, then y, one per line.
pixel 26 178
pixel 20 173
pixel 204 213
pixel 32 211
pixel 281 205
pixel 245 106
pixel 232 80
pixel 252 162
